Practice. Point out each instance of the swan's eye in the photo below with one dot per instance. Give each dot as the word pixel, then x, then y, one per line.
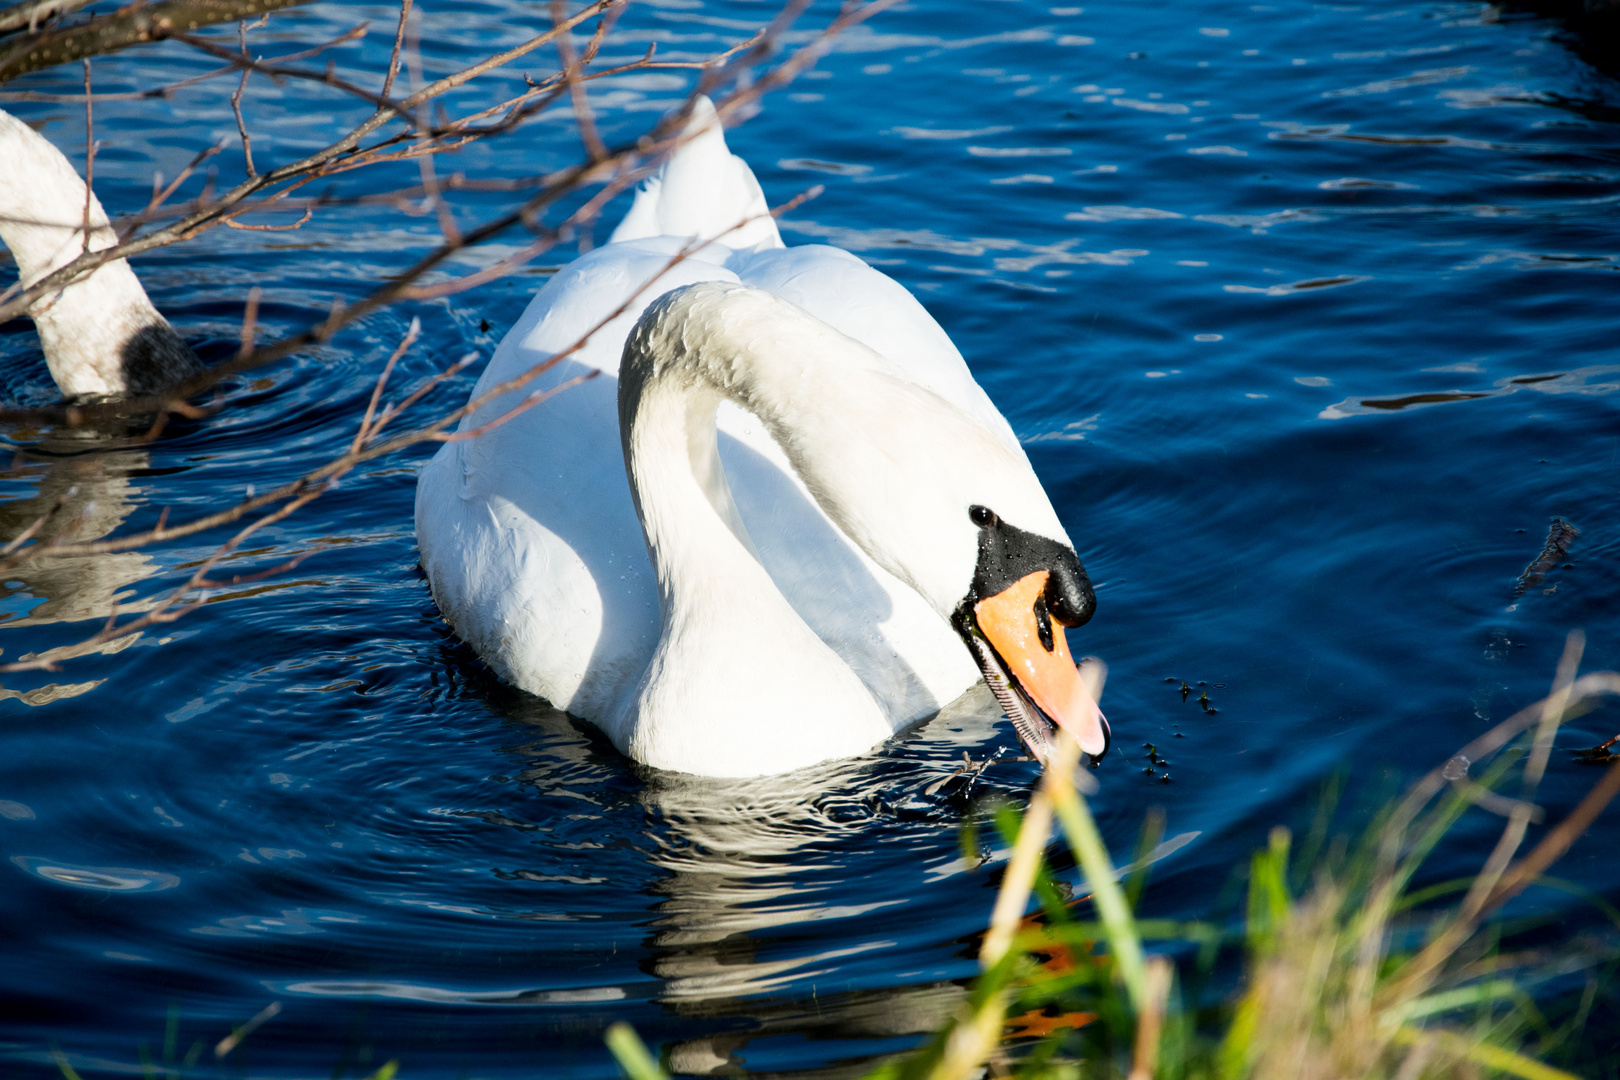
pixel 1043 623
pixel 982 516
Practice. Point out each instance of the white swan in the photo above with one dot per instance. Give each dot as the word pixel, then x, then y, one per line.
pixel 102 336
pixel 831 504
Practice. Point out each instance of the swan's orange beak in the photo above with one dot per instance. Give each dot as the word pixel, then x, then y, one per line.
pixel 1036 655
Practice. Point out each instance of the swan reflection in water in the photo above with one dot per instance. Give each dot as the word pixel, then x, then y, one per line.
pixel 744 858
pixel 88 481
pixel 764 887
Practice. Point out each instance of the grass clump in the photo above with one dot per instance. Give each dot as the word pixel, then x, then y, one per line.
pixel 1348 972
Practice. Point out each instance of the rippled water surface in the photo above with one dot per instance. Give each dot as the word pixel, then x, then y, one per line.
pixel 1305 313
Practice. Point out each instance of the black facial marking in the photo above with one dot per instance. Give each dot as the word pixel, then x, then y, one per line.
pixel 155 358
pixel 1007 554
pixel 1043 624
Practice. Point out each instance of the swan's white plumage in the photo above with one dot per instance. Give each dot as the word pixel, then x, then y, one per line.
pixel 86 328
pixel 530 538
pixel 704 190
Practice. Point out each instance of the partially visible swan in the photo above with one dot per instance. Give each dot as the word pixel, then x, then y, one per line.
pixel 776 584
pixel 102 336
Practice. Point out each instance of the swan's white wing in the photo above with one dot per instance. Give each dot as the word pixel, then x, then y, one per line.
pixel 527 531
pixel 530 538
pixel 874 309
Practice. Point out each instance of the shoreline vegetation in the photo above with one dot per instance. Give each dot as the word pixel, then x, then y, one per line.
pixel 1349 971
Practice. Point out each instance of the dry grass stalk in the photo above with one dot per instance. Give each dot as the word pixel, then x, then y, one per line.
pixel 1150 1025
pixel 1320 1004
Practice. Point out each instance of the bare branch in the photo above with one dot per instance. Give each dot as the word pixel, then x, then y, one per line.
pixel 212 211
pixel 529 401
pixel 399 39
pixel 30 13
pixel 231 222
pixel 250 318
pixel 429 432
pixel 326 76
pixel 236 99
pixel 39 522
pixel 583 120
pixel 135 24
pixel 89 154
pixel 382 381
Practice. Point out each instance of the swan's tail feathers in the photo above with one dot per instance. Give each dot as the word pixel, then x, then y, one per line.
pixel 702 191
pixel 101 334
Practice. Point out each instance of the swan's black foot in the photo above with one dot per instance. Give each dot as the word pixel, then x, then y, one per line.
pixel 1599 754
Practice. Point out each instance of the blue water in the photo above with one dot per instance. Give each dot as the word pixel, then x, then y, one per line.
pixel 1212 261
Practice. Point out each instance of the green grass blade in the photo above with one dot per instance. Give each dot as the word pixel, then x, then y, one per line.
pixel 632 1054
pixel 1118 923
pixel 1459 998
pixel 63 1064
pixel 1487 1054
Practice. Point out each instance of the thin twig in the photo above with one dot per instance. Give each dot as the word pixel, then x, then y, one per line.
pixel 236 99
pixel 39 522
pixel 529 401
pixel 399 38
pixel 89 155
pixel 232 223
pixel 382 381
pixel 250 318
pixel 326 76
pixel 159 197
pixel 30 13
pixel 584 121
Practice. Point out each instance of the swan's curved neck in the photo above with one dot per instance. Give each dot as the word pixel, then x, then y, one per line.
pixel 101 334
pixel 739 685
pixel 895 466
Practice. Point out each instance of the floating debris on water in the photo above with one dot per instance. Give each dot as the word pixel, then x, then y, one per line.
pixel 1560 536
